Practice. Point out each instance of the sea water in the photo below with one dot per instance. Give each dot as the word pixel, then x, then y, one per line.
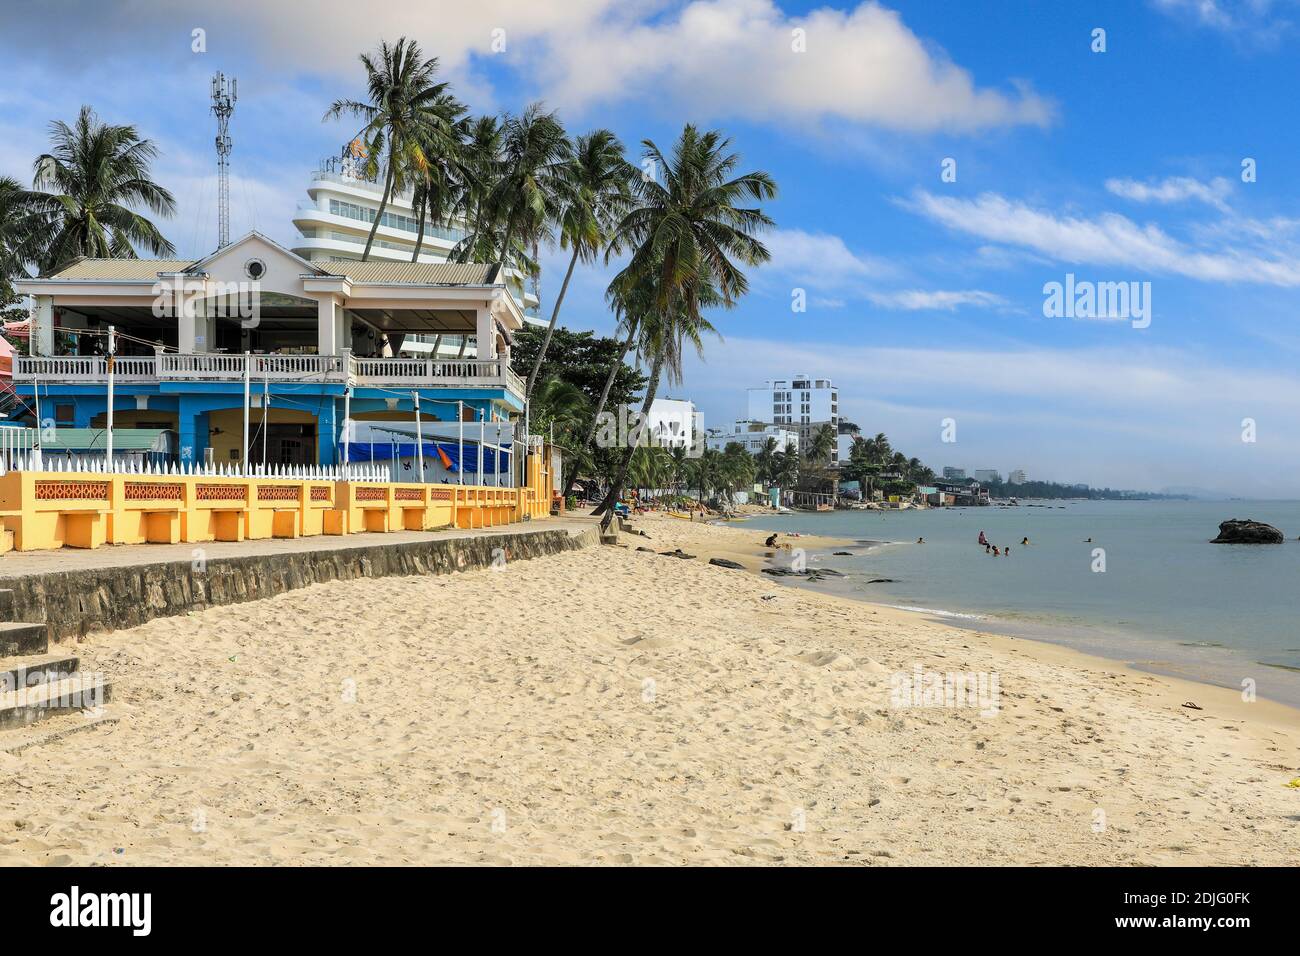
pixel 1148 588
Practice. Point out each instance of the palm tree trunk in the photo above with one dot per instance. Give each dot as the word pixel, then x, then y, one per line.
pixel 383 203
pixel 606 507
pixel 419 236
pixel 604 397
pixel 550 329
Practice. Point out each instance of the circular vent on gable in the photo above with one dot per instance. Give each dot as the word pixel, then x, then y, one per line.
pixel 255 269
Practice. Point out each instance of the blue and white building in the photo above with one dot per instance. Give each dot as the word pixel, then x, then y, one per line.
pixel 309 341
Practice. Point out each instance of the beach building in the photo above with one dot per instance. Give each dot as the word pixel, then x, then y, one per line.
pixel 954 474
pixel 672 423
pixel 308 342
pixel 802 402
pixel 335 221
pixel 752 436
pixel 987 475
pixel 1016 477
pixel 848 434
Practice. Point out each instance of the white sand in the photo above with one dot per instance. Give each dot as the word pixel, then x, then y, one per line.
pixel 505 717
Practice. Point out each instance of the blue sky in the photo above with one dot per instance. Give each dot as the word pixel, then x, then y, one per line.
pixel 925 297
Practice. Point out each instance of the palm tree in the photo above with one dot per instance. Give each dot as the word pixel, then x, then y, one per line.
pixel 595 198
pixel 482 167
pixel 534 176
pixel 822 445
pixel 408 117
pixel 90 182
pixel 441 188
pixel 21 232
pixel 685 234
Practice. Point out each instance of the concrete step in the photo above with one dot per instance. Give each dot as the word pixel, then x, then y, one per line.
pixel 24 706
pixel 6 604
pixel 17 638
pixel 33 669
pixel 48 731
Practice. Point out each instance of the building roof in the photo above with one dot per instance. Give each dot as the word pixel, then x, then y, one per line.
pixel 417 273
pixel 137 269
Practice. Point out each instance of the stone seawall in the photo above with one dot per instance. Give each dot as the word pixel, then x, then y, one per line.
pixel 77 602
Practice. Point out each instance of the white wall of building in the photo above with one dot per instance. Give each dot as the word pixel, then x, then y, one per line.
pixel 753 436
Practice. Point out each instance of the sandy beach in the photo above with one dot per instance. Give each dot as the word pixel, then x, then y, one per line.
pixel 615 706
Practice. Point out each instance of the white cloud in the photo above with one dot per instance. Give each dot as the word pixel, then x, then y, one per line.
pixel 1105 239
pixel 915 300
pixel 1173 189
pixel 735 58
pixel 723 58
pixel 820 259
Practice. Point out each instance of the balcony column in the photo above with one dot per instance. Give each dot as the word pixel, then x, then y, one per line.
pixel 327 326
pixel 42 330
pixel 487 340
pixel 187 322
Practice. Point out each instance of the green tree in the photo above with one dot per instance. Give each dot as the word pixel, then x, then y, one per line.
pixel 689 238
pixel 533 177
pixel 408 116
pixel 89 185
pixel 822 446
pixel 596 194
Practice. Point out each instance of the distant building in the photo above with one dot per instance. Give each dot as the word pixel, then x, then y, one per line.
pixel 672 422
pixel 1016 477
pixel 801 402
pixel 954 474
pixel 752 436
pixel 848 434
pixel 986 476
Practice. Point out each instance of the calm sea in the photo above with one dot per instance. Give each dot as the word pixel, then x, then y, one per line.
pixel 1167 601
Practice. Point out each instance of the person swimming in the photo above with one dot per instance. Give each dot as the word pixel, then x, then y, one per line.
pixel 920 541
pixel 1087 540
pixel 983 539
pixel 988 548
pixel 1024 541
pixel 996 552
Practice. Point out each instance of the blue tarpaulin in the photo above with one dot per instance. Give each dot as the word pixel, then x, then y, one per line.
pixel 386 451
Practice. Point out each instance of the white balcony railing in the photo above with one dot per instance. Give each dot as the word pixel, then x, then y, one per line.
pixel 223 367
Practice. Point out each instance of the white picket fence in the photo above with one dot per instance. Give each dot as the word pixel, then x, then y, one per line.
pixel 35 461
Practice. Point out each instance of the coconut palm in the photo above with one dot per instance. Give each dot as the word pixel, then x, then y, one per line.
pixel 481 156
pixel 21 232
pixel 439 190
pixel 533 178
pixel 688 235
pixel 89 186
pixel 822 445
pixel 595 198
pixel 408 118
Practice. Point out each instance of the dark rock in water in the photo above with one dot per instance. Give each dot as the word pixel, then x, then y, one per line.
pixel 724 563
pixel 678 553
pixel 842 554
pixel 1247 531
pixel 778 572
pixel 881 581
pixel 830 572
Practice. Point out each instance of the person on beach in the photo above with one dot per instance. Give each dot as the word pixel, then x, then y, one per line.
pixel 770 542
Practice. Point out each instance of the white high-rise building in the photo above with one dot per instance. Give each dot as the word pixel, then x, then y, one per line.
pixel 987 475
pixel 954 474
pixel 1016 477
pixel 335 221
pixel 801 403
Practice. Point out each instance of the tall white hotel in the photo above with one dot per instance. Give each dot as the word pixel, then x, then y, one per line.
pixel 334 224
pixel 803 403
